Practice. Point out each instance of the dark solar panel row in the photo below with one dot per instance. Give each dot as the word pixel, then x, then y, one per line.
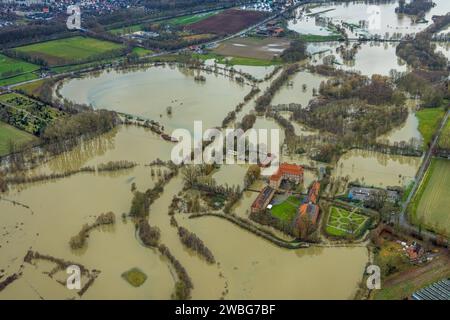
pixel 437 291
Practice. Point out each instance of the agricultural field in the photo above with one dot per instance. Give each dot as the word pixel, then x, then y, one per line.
pixel 126 30
pixel 13 70
pixel 343 223
pixel 9 133
pixel 190 19
pixel 286 210
pixel 430 206
pixel 72 50
pixel 27 114
pixel 265 49
pixel 429 120
pixel 227 22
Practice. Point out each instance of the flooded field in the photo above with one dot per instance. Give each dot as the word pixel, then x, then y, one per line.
pixel 259 72
pixel 371 58
pixel 409 130
pixel 259 270
pixel 377 169
pixel 47 227
pixel 149 93
pixel 390 22
pixel 299 89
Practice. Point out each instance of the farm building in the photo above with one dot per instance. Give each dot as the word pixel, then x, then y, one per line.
pixel 310 207
pixel 437 291
pixel 262 201
pixel 287 171
pixel 364 194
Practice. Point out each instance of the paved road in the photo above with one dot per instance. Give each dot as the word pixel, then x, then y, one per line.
pixel 404 223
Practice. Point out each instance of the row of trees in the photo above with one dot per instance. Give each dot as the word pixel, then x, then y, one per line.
pixel 78 241
pixel 149 235
pixel 190 240
pixel 263 102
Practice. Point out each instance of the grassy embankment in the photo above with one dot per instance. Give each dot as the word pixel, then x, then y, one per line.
pixel 429 120
pixel 237 61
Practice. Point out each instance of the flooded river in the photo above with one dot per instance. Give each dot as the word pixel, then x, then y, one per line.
pixel 247 272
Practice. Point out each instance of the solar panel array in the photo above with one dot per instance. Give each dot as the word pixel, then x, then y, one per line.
pixel 437 291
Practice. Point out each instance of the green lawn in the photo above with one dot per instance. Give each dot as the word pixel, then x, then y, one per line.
pixel 431 203
pixel 8 134
pixel 69 50
pixel 343 223
pixel 141 51
pixel 429 120
pixel 287 210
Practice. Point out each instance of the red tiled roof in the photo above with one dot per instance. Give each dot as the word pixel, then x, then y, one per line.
pixel 287 168
pixel 263 196
pixel 312 210
pixel 314 192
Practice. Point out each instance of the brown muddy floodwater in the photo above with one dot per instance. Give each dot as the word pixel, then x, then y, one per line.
pixel 248 266
pixel 293 91
pixel 148 94
pixel 407 131
pixel 377 169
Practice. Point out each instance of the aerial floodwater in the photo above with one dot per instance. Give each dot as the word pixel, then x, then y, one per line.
pixel 325 171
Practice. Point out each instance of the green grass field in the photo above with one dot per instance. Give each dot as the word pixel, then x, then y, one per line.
pixel 429 120
pixel 141 51
pixel 343 223
pixel 69 50
pixel 14 71
pixel 10 67
pixel 287 210
pixel 444 139
pixel 430 206
pixel 126 30
pixel 8 134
